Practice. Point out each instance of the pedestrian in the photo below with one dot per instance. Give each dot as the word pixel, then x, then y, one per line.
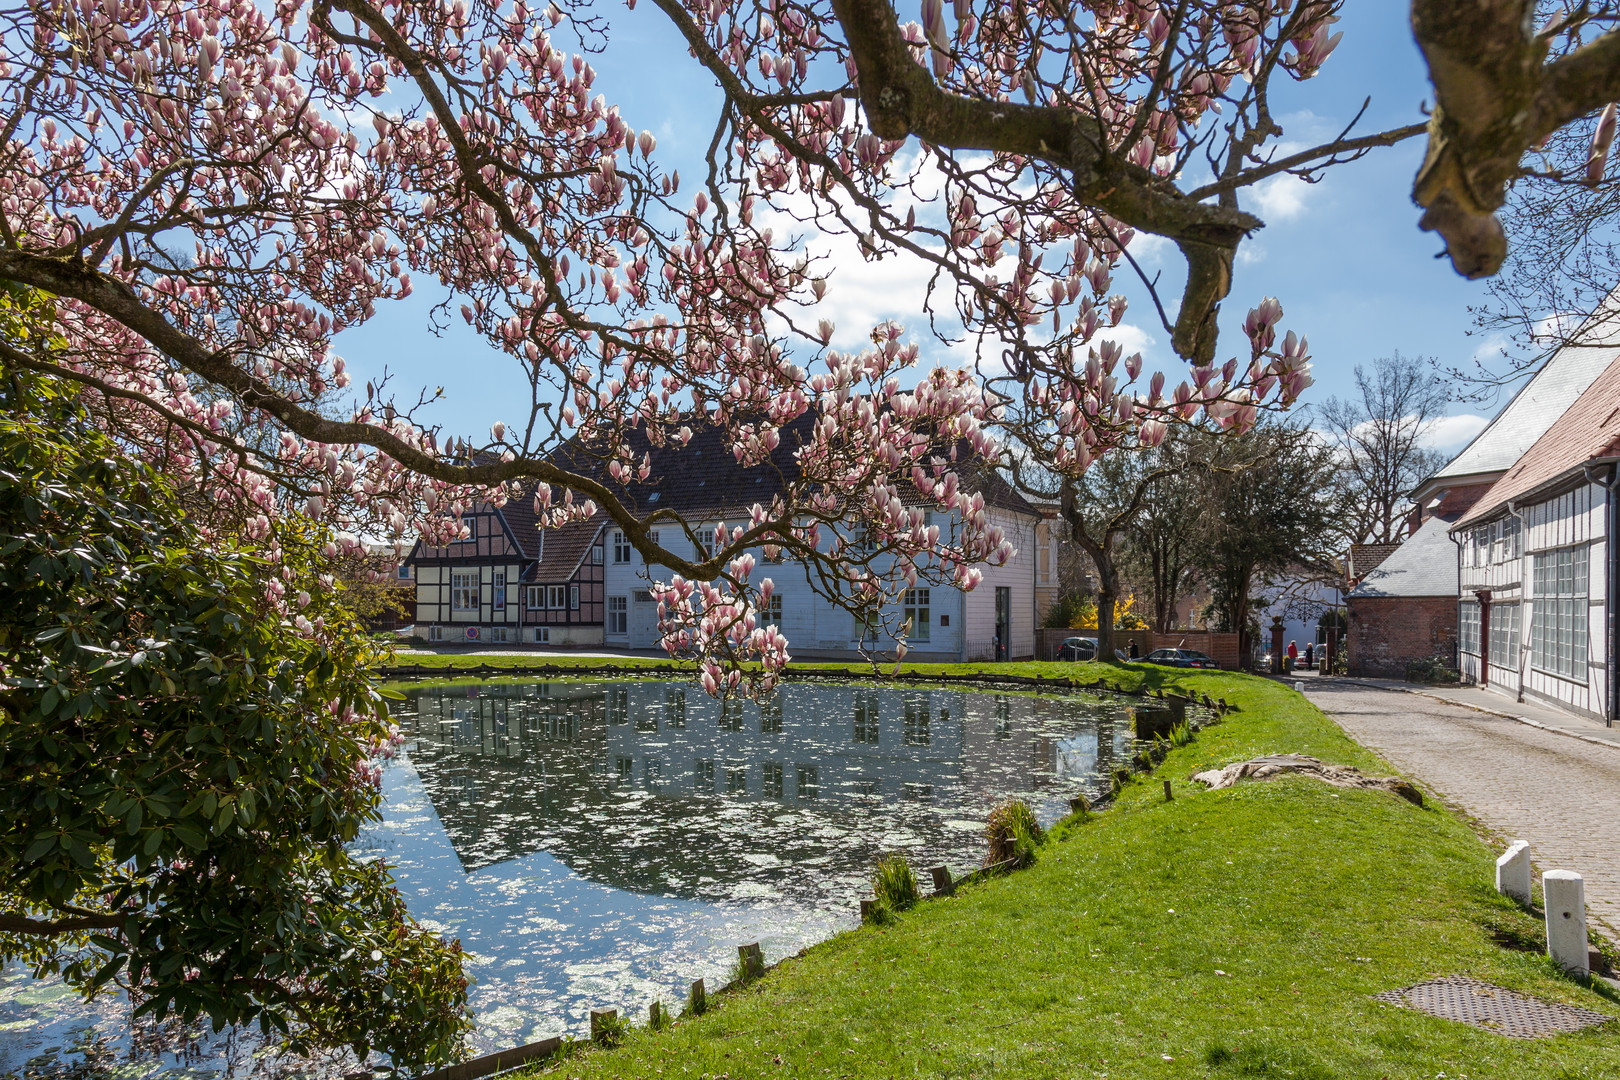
pixel 1310 654
pixel 1293 653
pixel 1134 654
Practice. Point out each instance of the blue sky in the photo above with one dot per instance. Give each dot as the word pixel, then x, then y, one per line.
pixel 1344 256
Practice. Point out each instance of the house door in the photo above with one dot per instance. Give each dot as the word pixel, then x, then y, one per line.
pixel 643 621
pixel 1003 621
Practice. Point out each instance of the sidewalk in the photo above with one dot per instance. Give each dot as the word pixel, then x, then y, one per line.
pixel 1488 701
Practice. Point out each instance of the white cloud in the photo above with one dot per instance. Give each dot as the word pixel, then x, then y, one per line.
pixel 1251 252
pixel 1279 198
pixel 1453 432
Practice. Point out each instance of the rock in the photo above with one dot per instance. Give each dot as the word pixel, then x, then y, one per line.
pixel 1265 768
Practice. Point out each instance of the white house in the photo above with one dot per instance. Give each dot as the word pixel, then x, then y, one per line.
pixel 1536 565
pixel 703 483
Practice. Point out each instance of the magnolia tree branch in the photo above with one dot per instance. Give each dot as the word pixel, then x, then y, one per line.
pixel 1499 92
pixel 902 99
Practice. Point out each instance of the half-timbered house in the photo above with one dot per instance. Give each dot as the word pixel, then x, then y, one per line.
pixel 509 582
pixel 1537 561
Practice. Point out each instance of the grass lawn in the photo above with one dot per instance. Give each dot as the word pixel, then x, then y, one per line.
pixel 1224 934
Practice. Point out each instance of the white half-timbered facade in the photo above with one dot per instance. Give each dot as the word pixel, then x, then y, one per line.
pixel 1536 565
pixel 511 583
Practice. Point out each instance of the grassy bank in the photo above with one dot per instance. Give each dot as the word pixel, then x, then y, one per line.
pixel 1223 934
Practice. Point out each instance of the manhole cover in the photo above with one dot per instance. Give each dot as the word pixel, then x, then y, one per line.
pixel 1493 1008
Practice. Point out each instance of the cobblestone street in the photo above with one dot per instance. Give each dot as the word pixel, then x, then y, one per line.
pixel 1559 793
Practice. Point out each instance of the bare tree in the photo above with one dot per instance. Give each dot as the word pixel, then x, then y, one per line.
pixel 1379 432
pixel 1158 547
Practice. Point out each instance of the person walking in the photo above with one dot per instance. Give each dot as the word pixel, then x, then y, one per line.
pixel 1293 655
pixel 1310 654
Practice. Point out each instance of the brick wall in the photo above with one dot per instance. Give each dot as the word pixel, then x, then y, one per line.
pixel 1222 648
pixel 1386 633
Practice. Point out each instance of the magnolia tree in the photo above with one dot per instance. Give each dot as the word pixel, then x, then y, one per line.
pixel 214 190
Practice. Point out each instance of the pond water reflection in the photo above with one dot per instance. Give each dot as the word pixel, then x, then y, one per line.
pixel 606 843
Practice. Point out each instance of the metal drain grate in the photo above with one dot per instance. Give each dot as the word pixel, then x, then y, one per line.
pixel 1493 1008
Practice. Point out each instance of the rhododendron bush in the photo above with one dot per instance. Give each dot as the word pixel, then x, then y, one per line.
pixel 215 190
pixel 182 769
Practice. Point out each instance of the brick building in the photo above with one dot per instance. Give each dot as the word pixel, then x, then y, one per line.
pixel 1405 608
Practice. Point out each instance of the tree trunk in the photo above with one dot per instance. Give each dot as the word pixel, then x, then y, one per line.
pixel 1245 643
pixel 1107 597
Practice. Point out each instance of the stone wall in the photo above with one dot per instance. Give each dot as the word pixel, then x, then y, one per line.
pixel 1387 633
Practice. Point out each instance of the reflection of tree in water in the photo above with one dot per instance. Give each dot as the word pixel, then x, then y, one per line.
pixel 144 1047
pixel 655 788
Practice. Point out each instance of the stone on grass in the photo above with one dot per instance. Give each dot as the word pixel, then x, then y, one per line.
pixel 1274 765
pixel 1513 872
pixel 1563 894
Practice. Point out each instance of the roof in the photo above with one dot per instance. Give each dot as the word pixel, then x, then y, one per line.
pixel 1425 565
pixel 1365 558
pixel 704 478
pixel 1588 430
pixel 564 547
pixel 1541 401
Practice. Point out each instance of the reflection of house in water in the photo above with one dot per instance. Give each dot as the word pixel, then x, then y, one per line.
pixel 655 786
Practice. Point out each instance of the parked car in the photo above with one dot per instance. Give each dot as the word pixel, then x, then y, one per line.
pixel 1078 648
pixel 1190 658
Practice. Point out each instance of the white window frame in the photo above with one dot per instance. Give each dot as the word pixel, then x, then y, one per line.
pixel 471 523
pixel 596 554
pixel 618 615
pixel 542 635
pixel 573 598
pixel 404 570
pixel 500 634
pixel 916 606
pixel 497 590
pixel 534 597
pixel 556 597
pixel 1559 612
pixel 621 548
pixel 461 590
pixel 435 633
pixel 1504 643
pixel 1468 627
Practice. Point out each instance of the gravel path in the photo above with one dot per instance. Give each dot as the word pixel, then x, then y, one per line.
pixel 1559 793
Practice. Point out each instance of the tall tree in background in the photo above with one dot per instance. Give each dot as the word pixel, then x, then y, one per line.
pixel 1273 506
pixel 1099 508
pixel 1159 545
pixel 1379 434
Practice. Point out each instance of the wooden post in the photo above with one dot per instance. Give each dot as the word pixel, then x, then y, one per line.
pixel 602 1020
pixel 1079 805
pixel 1167 795
pixel 868 909
pixel 698 1003
pixel 753 961
pixel 655 1015
pixel 942 880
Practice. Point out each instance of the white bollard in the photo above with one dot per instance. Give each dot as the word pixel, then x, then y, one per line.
pixel 1299 687
pixel 1513 872
pixel 1563 894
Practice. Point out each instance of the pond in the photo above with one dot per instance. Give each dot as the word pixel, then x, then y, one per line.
pixel 601 844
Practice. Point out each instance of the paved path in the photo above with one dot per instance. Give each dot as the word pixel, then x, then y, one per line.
pixel 1561 794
